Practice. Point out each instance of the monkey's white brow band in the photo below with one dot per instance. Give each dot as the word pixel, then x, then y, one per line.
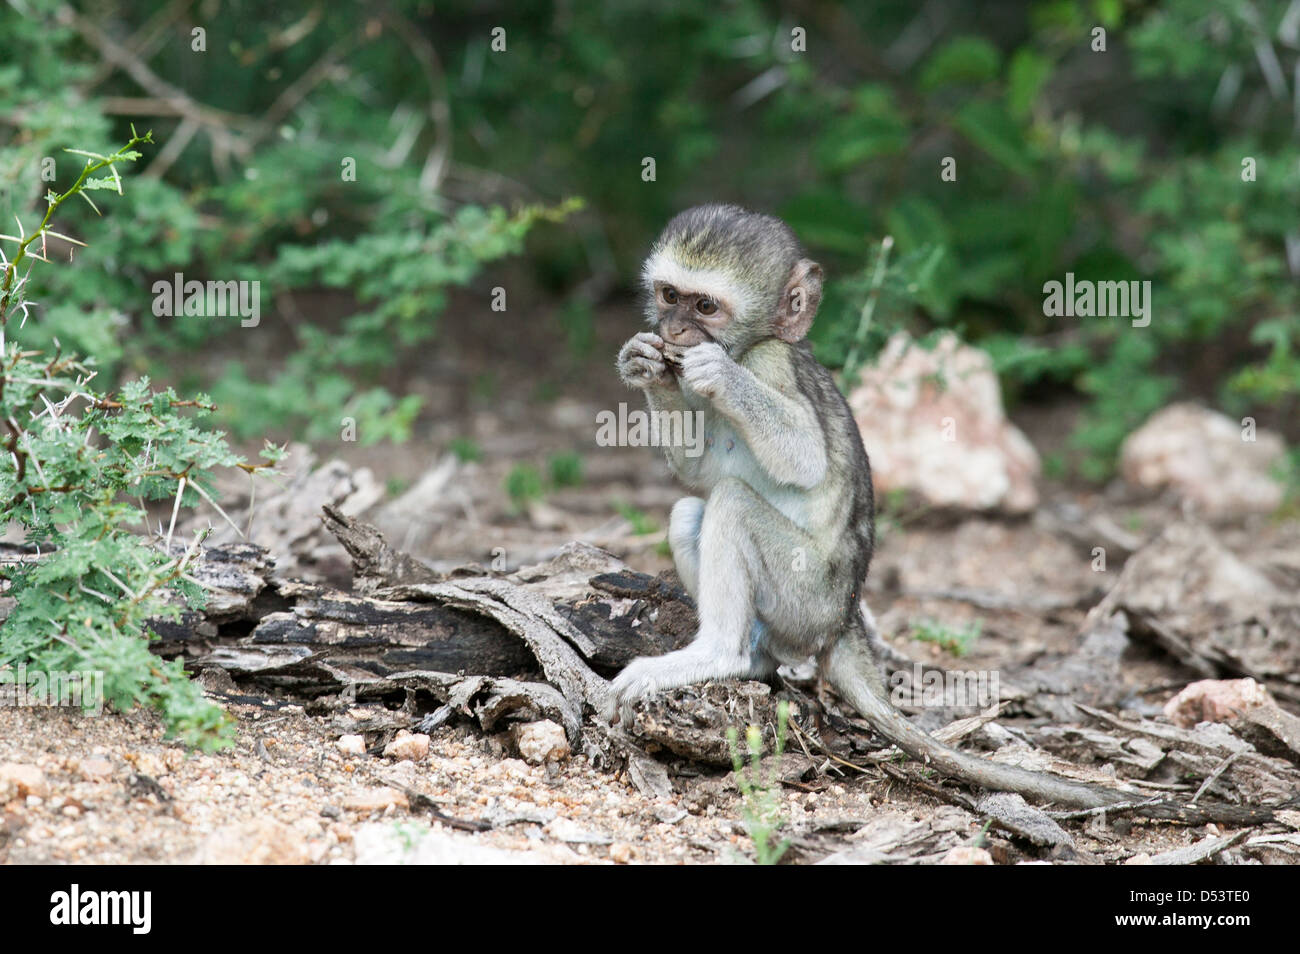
pixel 715 283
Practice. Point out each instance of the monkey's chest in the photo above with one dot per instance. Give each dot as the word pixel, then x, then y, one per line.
pixel 725 454
pixel 725 451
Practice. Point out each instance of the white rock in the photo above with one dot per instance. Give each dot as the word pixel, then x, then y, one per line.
pixel 933 425
pixel 379 799
pixel 1202 456
pixel 564 829
pixel 540 742
pixel 17 779
pixel 352 745
pixel 621 853
pixel 1215 700
pixel 408 746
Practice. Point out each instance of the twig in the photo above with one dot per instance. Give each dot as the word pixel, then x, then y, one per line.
pixel 1214 776
pixel 821 746
pixel 180 489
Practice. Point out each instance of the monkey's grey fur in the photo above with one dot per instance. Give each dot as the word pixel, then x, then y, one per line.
pixel 777 554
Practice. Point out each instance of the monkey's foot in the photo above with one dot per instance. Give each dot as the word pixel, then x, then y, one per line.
pixel 697 663
pixel 640 679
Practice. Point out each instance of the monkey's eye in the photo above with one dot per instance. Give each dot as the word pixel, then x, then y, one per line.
pixel 669 294
pixel 706 306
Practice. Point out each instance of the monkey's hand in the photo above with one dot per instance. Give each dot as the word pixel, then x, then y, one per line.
pixel 641 362
pixel 707 369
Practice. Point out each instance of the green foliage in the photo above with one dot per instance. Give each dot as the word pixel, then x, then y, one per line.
pixel 642 523
pixel 77 467
pixel 524 485
pixel 957 640
pixel 466 449
pixel 1118 165
pixel 288 218
pixel 403 276
pixel 759 790
pixel 565 469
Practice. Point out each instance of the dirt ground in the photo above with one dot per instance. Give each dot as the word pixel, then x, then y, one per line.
pixel 113 790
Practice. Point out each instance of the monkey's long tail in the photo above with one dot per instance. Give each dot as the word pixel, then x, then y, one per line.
pixel 849 668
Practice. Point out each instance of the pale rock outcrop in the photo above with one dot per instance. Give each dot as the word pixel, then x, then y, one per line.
pixel 1207 459
pixel 933 424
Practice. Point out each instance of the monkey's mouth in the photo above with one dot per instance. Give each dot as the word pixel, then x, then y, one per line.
pixel 673 353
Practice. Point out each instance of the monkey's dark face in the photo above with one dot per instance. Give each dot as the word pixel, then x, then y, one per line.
pixel 688 318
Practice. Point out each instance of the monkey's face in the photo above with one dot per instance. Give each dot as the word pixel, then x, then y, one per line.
pixel 688 318
pixel 720 274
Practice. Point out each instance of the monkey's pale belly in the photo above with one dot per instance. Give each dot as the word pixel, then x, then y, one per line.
pixel 727 455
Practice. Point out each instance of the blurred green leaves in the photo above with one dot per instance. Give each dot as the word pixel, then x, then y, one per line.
pixel 1116 165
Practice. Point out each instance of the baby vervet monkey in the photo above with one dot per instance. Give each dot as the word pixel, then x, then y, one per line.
pixel 775 550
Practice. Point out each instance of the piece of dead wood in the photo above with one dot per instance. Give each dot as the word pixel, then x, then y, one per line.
pixel 649 777
pixel 1088 530
pixel 560 661
pixel 374 563
pixel 1054 685
pixel 1215 776
pixel 1214 741
pixel 1013 814
pixel 1270 729
pixel 1135 757
pixel 307 636
pixel 1201 752
pixel 488 699
pixel 1285 844
pixel 1209 608
pixel 1203 850
pixel 896 837
pixel 281 514
pixel 1027 604
pixel 692 723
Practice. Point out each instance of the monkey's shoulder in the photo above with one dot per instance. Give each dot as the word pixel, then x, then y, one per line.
pixel 815 381
pixel 785 366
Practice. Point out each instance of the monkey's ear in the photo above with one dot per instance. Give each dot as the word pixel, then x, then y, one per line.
pixel 799 301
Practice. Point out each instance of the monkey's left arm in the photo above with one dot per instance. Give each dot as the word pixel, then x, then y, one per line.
pixel 779 424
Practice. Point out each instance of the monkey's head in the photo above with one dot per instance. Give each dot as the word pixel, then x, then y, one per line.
pixel 721 273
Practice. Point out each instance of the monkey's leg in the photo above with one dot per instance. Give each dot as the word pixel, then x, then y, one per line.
pixel 733 561
pixel 849 667
pixel 684 539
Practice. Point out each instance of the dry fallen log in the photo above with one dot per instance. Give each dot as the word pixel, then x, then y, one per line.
pixel 313 637
pixel 407 629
